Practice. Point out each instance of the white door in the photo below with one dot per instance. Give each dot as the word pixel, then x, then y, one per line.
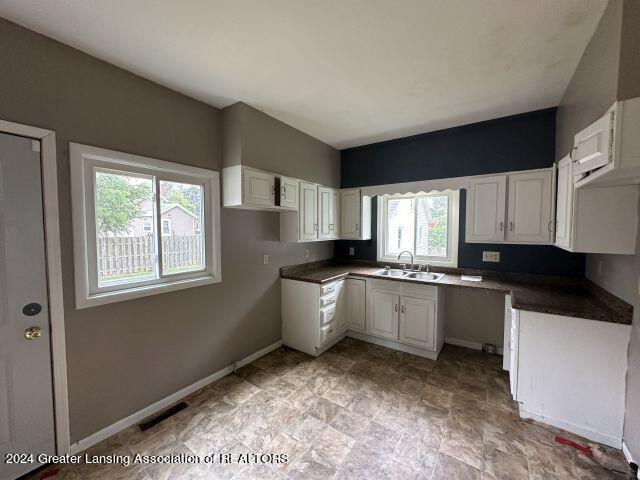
pixel 289 192
pixel 486 209
pixel 259 188
pixel 328 213
pixel 564 203
pixel 350 213
pixel 356 301
pixel 308 211
pixel 418 322
pixel 529 212
pixel 26 397
pixel 592 146
pixel 383 317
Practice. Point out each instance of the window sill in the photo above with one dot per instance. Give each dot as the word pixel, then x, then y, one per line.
pixel 143 291
pixel 406 261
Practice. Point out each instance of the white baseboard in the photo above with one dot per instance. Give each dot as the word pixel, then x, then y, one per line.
pixel 165 402
pixel 468 344
pixel 600 437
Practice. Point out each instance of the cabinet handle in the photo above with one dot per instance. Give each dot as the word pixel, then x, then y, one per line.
pixel 357 227
pixel 501 226
pixel 550 226
pixel 315 227
pixel 571 155
pixel 402 309
pixel 511 226
pixel 395 307
pixel 284 192
pixel 331 226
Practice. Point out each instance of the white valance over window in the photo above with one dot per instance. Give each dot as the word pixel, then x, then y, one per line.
pixel 423 186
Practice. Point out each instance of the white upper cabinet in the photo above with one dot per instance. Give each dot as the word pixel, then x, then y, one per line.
pixel 289 192
pixel 328 213
pixel 529 210
pixel 308 211
pixel 259 188
pixel 564 203
pixel 355 215
pixel 486 209
pixel 593 146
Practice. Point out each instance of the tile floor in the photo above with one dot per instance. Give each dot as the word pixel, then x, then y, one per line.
pixel 358 411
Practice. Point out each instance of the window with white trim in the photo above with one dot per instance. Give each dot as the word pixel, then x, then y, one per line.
pixel 125 244
pixel 424 224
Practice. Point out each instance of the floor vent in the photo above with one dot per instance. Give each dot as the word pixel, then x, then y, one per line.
pixel 162 416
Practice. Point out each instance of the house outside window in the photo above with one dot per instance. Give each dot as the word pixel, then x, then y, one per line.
pixel 134 225
pixel 425 225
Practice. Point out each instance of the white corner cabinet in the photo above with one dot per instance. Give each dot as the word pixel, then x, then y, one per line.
pixel 248 188
pixel 592 218
pixel 607 152
pixel 512 208
pixel 313 315
pixel 355 215
pixel 326 213
pixel 577 385
pixel 402 316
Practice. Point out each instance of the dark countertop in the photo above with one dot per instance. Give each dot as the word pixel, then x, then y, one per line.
pixel 570 297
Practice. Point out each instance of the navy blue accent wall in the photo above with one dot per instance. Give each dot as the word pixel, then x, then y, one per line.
pixel 519 142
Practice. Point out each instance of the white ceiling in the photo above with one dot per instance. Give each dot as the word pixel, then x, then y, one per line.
pixel 348 72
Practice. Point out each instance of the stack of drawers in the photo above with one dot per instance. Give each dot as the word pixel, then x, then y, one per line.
pixel 328 310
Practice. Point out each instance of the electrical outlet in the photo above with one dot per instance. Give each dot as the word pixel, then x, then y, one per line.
pixel 265 259
pixel 306 253
pixel 490 256
pixel 352 251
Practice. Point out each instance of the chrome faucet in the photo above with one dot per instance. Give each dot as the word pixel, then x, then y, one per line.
pixel 407 251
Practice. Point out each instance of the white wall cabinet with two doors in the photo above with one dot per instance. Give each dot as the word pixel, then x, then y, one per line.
pixel 511 208
pixel 252 189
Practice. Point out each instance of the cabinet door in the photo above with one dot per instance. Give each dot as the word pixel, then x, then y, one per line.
pixel 529 212
pixel 356 301
pixel 418 322
pixel 383 315
pixel 592 146
pixel 308 211
pixel 341 306
pixel 328 213
pixel 289 192
pixel 350 213
pixel 258 188
pixel 486 209
pixel 564 203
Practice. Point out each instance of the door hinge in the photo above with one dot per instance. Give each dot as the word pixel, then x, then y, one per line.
pixel 611 135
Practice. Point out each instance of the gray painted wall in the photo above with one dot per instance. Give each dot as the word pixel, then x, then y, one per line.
pixel 610 70
pixel 154 346
pixel 255 139
pixel 474 316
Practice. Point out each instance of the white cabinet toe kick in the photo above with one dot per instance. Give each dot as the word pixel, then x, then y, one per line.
pixel 402 316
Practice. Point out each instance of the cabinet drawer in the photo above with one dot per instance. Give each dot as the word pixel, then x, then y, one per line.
pixel 327 300
pixel 382 286
pixel 327 315
pixel 329 288
pixel 327 332
pixel 421 291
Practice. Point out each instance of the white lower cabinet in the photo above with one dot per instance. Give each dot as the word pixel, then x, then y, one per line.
pixel 417 322
pixel 383 320
pixel 570 373
pixel 356 304
pixel 405 316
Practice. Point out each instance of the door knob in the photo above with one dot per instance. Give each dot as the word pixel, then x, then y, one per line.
pixel 33 333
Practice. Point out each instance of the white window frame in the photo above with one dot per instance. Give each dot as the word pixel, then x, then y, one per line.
pixel 453 226
pixel 85 161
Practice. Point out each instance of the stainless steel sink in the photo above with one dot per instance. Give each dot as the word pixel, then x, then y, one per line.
pixel 393 272
pixel 430 277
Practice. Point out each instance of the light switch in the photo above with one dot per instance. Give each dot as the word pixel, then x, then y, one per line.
pixel 265 259
pixel 490 256
pixel 352 251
